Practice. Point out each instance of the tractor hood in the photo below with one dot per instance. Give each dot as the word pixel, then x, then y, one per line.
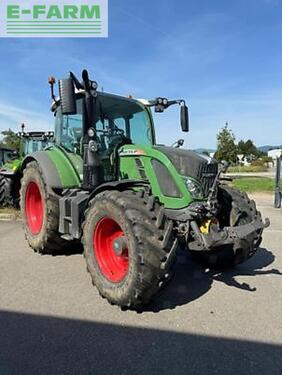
pixel 191 164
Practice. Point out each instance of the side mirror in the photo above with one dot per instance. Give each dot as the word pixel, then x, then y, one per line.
pixel 184 118
pixel 67 96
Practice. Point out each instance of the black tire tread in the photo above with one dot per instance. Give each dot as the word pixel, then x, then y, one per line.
pixel 50 241
pixel 6 198
pixel 156 244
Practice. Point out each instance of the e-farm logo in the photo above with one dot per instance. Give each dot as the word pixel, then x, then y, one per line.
pixel 39 18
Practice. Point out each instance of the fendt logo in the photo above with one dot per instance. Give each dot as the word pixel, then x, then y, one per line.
pixel 38 18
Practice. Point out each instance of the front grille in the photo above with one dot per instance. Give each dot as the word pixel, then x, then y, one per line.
pixel 191 164
pixel 206 175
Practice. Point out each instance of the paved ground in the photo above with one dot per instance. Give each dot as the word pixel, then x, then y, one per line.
pixel 52 321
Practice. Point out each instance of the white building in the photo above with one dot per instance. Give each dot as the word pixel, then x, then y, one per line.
pixel 274 154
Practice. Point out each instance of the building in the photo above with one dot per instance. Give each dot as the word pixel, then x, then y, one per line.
pixel 274 154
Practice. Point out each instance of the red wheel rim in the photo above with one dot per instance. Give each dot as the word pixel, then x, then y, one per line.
pixel 34 208
pixel 113 266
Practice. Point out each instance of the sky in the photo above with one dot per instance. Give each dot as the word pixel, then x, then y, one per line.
pixel 223 57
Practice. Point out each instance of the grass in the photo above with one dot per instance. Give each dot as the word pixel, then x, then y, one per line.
pixel 245 169
pixel 254 184
pixel 10 211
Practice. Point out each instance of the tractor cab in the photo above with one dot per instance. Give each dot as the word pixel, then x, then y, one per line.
pixel 116 118
pixel 34 141
pixel 95 125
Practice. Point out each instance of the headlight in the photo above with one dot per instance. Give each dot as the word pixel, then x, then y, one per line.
pixel 91 132
pixel 194 188
pixel 94 85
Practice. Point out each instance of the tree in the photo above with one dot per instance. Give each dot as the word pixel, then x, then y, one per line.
pixel 248 148
pixel 226 147
pixel 11 139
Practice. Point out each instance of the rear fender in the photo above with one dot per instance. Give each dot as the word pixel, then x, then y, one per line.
pixel 57 169
pixel 50 173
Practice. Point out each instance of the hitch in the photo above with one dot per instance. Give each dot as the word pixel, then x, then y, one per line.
pixel 225 236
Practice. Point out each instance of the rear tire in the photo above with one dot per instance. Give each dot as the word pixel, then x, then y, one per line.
pixel 236 209
pixel 6 192
pixel 149 247
pixel 40 212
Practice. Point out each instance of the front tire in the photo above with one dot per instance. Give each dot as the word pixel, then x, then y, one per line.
pixel 40 212
pixel 129 247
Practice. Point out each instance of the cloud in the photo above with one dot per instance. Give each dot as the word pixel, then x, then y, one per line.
pixel 12 116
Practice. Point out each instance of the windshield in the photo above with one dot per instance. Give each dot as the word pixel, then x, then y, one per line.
pixel 68 128
pixel 34 145
pixel 116 117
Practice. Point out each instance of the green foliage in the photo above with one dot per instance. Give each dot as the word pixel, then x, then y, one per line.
pixel 226 147
pixel 266 159
pixel 258 163
pixel 228 150
pixel 11 139
pixel 248 149
pixel 247 169
pixel 254 184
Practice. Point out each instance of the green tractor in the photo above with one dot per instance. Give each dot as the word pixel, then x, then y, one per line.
pixel 6 154
pixel 10 173
pixel 131 202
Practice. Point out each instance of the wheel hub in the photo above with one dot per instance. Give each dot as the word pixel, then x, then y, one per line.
pixel 111 249
pixel 34 208
pixel 119 246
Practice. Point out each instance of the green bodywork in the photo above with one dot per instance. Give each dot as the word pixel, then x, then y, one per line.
pixel 70 168
pixel 67 165
pixel 13 165
pixel 129 170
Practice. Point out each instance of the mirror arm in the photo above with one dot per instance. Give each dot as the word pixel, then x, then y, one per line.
pixel 153 103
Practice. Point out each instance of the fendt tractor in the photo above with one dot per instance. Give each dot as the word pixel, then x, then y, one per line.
pixel 10 173
pixel 131 202
pixel 6 154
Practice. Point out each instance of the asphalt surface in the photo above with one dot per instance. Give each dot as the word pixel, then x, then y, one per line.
pixel 52 320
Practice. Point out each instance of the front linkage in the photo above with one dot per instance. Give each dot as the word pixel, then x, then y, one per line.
pixel 228 220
